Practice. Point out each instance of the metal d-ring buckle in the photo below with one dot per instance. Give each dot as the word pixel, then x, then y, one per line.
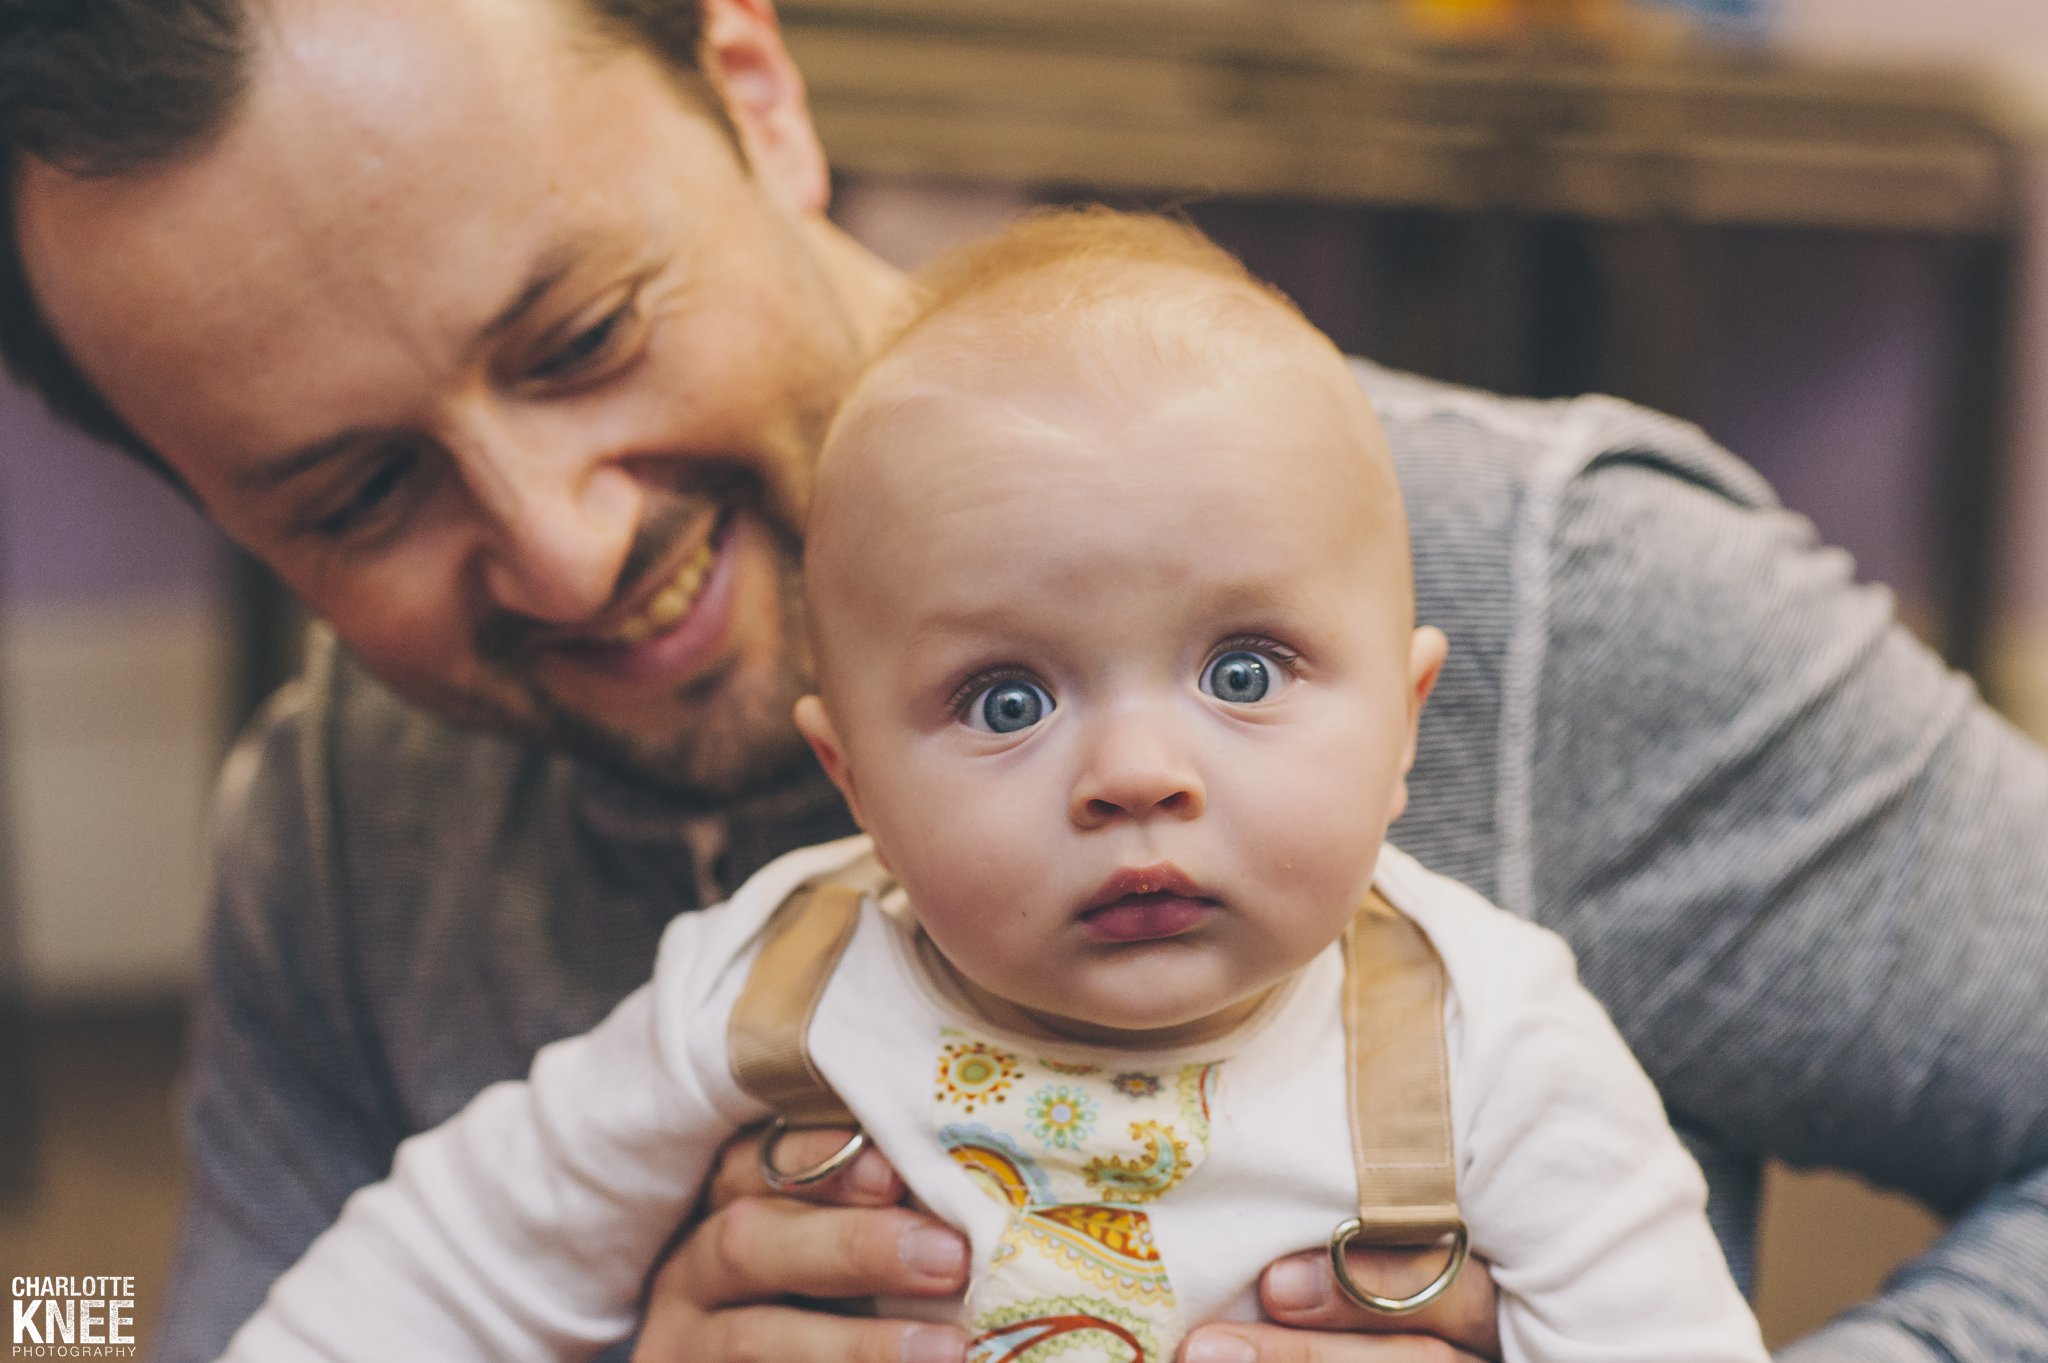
pixel 1393 1306
pixel 817 1173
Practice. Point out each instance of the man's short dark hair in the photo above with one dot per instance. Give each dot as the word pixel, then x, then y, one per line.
pixel 100 88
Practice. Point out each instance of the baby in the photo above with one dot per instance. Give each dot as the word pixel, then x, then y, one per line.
pixel 1118 670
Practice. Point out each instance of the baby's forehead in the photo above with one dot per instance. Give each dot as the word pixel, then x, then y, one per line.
pixel 1023 375
pixel 1029 452
pixel 1033 440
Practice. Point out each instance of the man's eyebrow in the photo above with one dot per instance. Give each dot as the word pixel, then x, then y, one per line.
pixel 275 473
pixel 548 272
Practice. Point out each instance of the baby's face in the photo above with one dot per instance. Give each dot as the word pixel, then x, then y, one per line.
pixel 1125 688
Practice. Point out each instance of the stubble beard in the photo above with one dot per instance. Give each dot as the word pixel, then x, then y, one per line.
pixel 740 743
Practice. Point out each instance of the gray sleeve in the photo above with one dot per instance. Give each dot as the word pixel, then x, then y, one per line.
pixel 283 1113
pixel 1807 870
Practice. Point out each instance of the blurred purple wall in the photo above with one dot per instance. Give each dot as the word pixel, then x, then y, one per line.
pixel 1827 368
pixel 79 522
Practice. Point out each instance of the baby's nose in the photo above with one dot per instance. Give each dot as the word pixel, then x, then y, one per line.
pixel 1135 772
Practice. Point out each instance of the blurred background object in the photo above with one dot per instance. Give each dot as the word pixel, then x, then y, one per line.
pixel 1818 227
pixel 117 648
pixel 17 1111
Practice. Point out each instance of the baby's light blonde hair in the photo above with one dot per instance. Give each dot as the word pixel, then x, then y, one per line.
pixel 1090 277
pixel 1066 250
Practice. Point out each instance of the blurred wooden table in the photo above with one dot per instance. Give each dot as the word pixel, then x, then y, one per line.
pixel 1331 101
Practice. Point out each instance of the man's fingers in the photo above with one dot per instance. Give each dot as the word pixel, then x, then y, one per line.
pixel 720 1297
pixel 776 1334
pixel 1238 1343
pixel 761 1248
pixel 867 1182
pixel 1302 1291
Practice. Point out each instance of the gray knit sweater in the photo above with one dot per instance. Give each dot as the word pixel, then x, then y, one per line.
pixel 1802 865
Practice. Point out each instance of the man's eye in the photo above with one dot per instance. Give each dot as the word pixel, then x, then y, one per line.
pixel 1241 677
pixel 1007 707
pixel 583 351
pixel 368 498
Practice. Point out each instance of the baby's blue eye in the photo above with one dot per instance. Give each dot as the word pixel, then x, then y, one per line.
pixel 1239 677
pixel 1009 707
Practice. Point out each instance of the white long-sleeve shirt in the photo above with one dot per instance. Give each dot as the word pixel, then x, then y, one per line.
pixel 524 1227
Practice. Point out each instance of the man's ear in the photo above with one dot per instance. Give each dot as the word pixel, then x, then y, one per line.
pixel 815 725
pixel 1426 649
pixel 764 94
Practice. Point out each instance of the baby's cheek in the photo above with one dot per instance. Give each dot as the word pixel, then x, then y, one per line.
pixel 1317 827
pixel 965 855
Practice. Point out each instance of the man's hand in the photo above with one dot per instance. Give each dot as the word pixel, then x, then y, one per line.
pixel 1300 1291
pixel 724 1296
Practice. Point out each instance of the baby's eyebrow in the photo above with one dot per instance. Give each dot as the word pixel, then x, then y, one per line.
pixel 973 636
pixel 950 623
pixel 952 645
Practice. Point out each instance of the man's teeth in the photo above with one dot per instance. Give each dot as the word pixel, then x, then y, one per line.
pixel 670 604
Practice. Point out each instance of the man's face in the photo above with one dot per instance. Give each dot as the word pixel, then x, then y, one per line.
pixel 482 334
pixel 1129 705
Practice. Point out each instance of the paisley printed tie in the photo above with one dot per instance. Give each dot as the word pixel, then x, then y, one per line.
pixel 1074 1152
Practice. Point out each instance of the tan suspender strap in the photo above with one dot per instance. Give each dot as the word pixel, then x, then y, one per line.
pixel 1399 1078
pixel 765 1041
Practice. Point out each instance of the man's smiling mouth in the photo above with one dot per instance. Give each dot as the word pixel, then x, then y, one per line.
pixel 670 602
pixel 665 603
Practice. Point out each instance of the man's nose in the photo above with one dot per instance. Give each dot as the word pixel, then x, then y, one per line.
pixel 1136 770
pixel 558 531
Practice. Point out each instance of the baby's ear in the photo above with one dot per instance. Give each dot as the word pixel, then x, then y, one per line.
pixel 815 724
pixel 1426 649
